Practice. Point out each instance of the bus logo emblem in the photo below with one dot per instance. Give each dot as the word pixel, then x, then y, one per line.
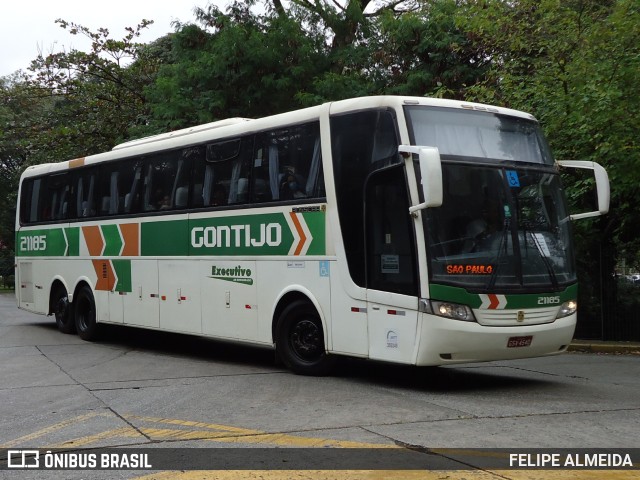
pixel 520 316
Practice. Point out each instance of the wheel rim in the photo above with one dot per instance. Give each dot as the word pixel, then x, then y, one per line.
pixel 306 340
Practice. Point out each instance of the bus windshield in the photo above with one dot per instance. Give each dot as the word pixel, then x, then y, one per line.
pixel 503 222
pixel 480 135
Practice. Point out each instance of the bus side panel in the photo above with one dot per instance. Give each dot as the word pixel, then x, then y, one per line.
pixel 229 292
pixel 24 285
pixel 180 308
pixel 349 328
pixel 279 277
pixel 141 307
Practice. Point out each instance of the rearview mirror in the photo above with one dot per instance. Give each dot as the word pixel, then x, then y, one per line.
pixel 430 175
pixel 602 186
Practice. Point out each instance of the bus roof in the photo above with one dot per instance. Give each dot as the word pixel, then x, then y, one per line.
pixel 179 133
pixel 238 126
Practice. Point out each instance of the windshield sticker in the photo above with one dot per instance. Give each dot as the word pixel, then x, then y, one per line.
pixel 390 264
pixel 513 179
pixel 469 269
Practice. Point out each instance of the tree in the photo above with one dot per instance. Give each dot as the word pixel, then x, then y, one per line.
pixel 69 105
pixel 234 64
pixel 97 95
pixel 574 65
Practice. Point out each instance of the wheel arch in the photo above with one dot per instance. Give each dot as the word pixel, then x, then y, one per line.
pixel 81 282
pixel 293 294
pixel 56 283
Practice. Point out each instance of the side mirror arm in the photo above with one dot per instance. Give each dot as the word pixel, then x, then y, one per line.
pixel 602 186
pixel 430 173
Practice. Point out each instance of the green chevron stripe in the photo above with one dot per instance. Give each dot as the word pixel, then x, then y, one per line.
pixel 112 239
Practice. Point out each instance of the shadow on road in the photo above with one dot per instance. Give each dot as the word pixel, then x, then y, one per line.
pixel 462 378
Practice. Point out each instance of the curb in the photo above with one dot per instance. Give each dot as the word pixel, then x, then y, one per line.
pixel 594 346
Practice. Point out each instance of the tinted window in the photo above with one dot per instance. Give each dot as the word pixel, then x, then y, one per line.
pixel 221 173
pixel 119 186
pixel 361 143
pixel 287 164
pixel 391 251
pixel 166 181
pixel 55 201
pixel 85 185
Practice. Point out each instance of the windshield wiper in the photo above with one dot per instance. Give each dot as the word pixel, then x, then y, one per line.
pixel 504 235
pixel 545 260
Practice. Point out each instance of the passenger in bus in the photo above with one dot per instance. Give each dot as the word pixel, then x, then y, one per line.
pixel 165 203
pixel 481 231
pixel 219 196
pixel 290 187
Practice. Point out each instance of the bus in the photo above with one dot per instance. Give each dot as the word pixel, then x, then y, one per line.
pixel 410 230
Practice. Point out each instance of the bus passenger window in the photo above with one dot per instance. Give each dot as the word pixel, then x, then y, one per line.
pixel 288 164
pixel 55 203
pixel 223 178
pixel 167 181
pixel 85 200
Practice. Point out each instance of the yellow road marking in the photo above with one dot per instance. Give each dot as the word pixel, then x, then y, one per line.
pixel 229 434
pixel 220 433
pixel 322 475
pixel 189 423
pixel 52 428
pixel 394 474
pixel 126 432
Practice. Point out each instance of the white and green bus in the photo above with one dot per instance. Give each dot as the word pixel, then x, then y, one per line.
pixel 402 229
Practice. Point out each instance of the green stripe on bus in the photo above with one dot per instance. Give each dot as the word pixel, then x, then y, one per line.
pixel 514 301
pixel 164 239
pixel 73 240
pixel 316 223
pixel 256 235
pixel 122 269
pixel 41 243
pixel 263 234
pixel 454 294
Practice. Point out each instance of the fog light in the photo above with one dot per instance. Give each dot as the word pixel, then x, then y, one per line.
pixel 567 308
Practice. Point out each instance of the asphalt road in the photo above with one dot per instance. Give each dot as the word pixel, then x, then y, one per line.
pixel 143 389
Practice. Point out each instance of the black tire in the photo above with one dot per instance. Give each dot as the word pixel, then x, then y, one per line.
pixel 85 314
pixel 300 340
pixel 63 311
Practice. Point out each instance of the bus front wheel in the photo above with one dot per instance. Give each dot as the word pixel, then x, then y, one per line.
pixel 300 340
pixel 63 311
pixel 85 313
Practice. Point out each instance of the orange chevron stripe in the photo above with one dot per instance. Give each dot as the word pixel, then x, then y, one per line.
pixel 106 278
pixel 303 237
pixel 494 301
pixel 93 239
pixel 131 236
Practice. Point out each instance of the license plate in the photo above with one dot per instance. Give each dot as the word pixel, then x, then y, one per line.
pixel 517 342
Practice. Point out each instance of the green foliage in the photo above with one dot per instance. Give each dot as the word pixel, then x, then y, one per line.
pixel 250 65
pixel 575 65
pixel 71 104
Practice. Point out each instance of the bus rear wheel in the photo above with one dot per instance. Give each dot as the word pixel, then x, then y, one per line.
pixel 85 313
pixel 63 311
pixel 300 340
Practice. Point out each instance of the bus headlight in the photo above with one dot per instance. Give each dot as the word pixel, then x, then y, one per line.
pixel 567 308
pixel 456 311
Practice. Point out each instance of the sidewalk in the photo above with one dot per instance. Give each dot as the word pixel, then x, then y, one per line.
pixel 599 346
